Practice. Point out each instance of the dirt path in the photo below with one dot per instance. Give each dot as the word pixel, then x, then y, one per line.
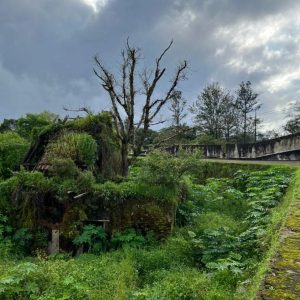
pixel 282 282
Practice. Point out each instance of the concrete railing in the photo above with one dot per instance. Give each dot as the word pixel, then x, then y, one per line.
pixel 282 148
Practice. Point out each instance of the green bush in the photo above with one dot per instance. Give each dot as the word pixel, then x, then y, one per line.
pixel 88 277
pixel 63 168
pixel 213 220
pixel 80 147
pixel 114 193
pixel 211 169
pixel 76 182
pixel 32 125
pixel 16 242
pixel 101 128
pixel 127 238
pixel 6 244
pixel 7 188
pixel 164 169
pixel 219 195
pixel 176 284
pixel 150 261
pixel 93 237
pixel 222 247
pixel 12 151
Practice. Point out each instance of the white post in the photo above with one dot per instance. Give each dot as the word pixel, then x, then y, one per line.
pixel 54 244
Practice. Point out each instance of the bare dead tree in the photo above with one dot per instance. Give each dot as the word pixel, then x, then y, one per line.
pixel 123 91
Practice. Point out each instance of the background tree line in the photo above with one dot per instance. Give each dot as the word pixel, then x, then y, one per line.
pixel 221 114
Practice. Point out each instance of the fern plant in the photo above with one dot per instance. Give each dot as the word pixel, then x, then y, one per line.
pixel 93 237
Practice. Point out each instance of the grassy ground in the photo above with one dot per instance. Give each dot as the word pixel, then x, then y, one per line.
pixel 282 281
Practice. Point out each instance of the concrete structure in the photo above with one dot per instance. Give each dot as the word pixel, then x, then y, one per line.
pixel 282 148
pixel 53 246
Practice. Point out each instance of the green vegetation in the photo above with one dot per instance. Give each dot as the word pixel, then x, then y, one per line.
pixel 80 147
pixel 29 126
pixel 12 151
pixel 93 237
pixel 176 232
pixel 32 125
pixel 281 281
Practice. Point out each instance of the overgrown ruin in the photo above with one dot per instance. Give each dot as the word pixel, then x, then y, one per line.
pixel 63 184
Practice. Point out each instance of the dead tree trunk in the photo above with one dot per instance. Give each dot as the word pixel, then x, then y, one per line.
pixel 124 157
pixel 122 94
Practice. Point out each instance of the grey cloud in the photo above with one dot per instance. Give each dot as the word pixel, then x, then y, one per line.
pixel 21 94
pixel 47 47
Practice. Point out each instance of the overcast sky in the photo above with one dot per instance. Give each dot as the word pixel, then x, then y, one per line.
pixel 47 49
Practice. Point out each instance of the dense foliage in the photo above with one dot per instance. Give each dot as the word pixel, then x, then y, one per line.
pixel 222 116
pixel 29 126
pixel 224 228
pixel 292 126
pixel 12 151
pixel 80 147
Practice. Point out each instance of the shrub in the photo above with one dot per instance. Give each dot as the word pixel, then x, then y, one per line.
pixel 32 125
pixel 211 169
pixel 12 151
pixel 63 168
pixel 176 284
pixel 7 188
pixel 87 277
pixel 219 195
pixel 93 237
pixel 150 261
pixel 164 169
pixel 228 247
pixel 113 193
pixel 64 187
pixel 80 147
pixel 6 244
pixel 212 220
pixel 13 242
pixel 129 238
pixel 31 187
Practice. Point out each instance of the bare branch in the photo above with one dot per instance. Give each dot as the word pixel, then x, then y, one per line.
pixel 108 81
pixel 159 122
pixel 153 124
pixel 81 109
pixel 160 102
pixel 163 53
pixel 149 88
pixel 122 91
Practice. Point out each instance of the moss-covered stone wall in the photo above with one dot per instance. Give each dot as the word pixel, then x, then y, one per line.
pixel 145 217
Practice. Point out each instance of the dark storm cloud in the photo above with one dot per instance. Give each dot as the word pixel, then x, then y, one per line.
pixel 47 47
